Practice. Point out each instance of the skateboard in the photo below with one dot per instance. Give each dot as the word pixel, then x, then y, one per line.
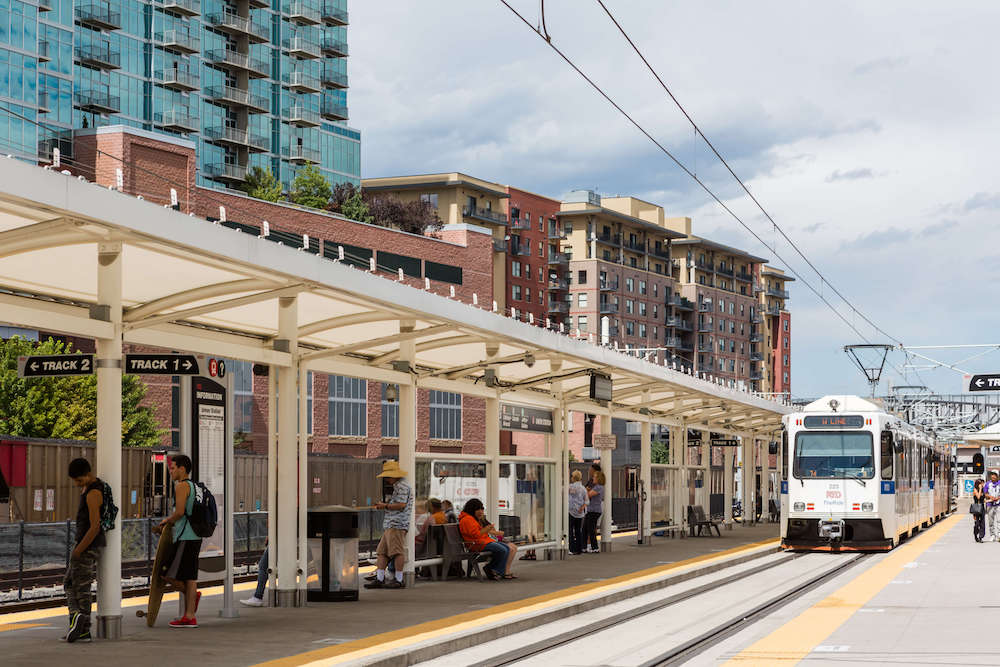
pixel 157 584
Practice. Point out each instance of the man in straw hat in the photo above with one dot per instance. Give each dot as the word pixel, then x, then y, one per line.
pixel 394 526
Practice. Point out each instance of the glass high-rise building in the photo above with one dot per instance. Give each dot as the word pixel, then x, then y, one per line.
pixel 252 82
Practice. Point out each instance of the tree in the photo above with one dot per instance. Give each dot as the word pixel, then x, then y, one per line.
pixel 355 208
pixel 309 188
pixel 415 217
pixel 262 184
pixel 66 407
pixel 340 194
pixel 659 451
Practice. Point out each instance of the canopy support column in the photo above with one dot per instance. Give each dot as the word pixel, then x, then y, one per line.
pixel 109 433
pixel 492 418
pixel 559 449
pixel 303 422
pixel 728 477
pixel 607 520
pixel 272 485
pixel 408 442
pixel 705 451
pixel 645 476
pixel 287 341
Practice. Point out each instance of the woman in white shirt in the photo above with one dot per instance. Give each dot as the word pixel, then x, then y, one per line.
pixel 577 510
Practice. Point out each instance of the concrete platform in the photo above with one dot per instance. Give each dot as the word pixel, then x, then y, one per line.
pixel 339 629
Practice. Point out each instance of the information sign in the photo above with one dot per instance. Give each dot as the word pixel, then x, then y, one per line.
pixel 605 441
pixel 521 418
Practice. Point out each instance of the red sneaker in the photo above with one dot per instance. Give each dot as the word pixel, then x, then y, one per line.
pixel 184 622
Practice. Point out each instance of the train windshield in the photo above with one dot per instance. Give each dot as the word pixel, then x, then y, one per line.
pixel 834 455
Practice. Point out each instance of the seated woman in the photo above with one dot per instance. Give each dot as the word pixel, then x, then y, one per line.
pixel 479 538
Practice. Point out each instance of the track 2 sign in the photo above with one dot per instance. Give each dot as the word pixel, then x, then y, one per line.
pixel 55 365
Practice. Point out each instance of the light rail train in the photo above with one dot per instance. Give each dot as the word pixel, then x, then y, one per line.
pixel 857 478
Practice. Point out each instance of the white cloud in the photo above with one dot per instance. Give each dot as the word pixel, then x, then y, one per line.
pixel 876 156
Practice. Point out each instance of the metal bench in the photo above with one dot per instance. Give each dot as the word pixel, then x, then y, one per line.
pixel 697 519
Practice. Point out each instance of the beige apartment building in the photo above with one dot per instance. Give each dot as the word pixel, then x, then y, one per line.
pixel 620 273
pixel 459 199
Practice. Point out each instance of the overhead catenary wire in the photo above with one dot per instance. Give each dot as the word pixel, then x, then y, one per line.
pixel 698 132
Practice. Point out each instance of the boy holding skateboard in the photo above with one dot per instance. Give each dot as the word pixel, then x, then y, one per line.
pixel 82 568
pixel 181 569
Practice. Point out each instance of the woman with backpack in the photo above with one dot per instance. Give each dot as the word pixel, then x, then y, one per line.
pixel 182 567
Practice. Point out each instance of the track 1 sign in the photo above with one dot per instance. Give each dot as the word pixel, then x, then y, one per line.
pixel 162 364
pixel 56 365
pixel 982 382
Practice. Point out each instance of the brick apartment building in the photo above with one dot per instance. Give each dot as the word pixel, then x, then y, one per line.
pixel 536 282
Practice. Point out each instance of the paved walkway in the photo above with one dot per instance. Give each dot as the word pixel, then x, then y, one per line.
pixel 31 638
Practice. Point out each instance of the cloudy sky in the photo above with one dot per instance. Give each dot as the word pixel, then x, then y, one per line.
pixel 868 131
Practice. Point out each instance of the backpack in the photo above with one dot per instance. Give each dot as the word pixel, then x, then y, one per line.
pixel 204 516
pixel 109 511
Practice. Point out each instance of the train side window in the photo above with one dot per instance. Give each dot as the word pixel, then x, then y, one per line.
pixel 887 454
pixel 784 454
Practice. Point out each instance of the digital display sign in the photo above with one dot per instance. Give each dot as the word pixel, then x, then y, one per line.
pixel 600 387
pixel 834 421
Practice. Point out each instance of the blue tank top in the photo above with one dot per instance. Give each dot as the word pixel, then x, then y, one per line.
pixel 182 528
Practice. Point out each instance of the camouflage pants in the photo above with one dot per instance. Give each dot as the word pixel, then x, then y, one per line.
pixel 79 576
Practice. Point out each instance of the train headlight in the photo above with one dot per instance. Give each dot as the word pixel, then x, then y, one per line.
pixel 799 507
pixel 867 507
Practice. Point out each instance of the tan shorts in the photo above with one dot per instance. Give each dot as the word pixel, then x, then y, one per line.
pixel 392 544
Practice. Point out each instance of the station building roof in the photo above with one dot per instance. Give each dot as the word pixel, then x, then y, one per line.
pixel 198 286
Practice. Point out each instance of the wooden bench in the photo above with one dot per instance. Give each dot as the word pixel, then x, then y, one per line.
pixel 697 519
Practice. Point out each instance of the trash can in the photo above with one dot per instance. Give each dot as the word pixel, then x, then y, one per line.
pixel 332 534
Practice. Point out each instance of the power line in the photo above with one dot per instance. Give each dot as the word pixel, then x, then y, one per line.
pixel 699 132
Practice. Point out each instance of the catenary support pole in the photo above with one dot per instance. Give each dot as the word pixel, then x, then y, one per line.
pixel 408 441
pixel 607 520
pixel 560 482
pixel 109 433
pixel 492 424
pixel 287 543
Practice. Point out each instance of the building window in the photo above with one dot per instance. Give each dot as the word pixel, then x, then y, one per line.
pixel 390 415
pixel 629 328
pixel 784 359
pixel 242 395
pixel 348 406
pixel 786 342
pixel 732 346
pixel 515 292
pixel 642 330
pixel 581 299
pixel 541 224
pixel 581 277
pixel 431 199
pixel 541 275
pixel 655 311
pixel 786 380
pixel 527 294
pixel 732 308
pixel 784 324
pixel 722 345
pixel 732 327
pixel 722 306
pixel 642 287
pixel 527 216
pixel 642 308
pixel 629 306
pixel 445 415
pixel 581 323
pixel 722 365
pixel 630 284
pixel 515 269
pixel 527 271
pixel 732 366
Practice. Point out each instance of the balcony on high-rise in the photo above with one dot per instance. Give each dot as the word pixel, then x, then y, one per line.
pixel 302 82
pixel 233 97
pixel 300 47
pixel 558 259
pixel 178 120
pixel 303 13
pixel 227 173
pixel 300 154
pixel 44 105
pixel 45 50
pixel 231 136
pixel 99 56
pixel 98 15
pixel 183 7
pixel 96 101
pixel 178 79
pixel 302 117
pixel 332 78
pixel 333 110
pixel 333 15
pixel 331 46
pixel 232 23
pixel 178 41
pixel 777 292
pixel 235 61
pixel 485 215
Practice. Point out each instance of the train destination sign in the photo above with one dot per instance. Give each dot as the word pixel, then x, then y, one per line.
pixel 834 421
pixel 982 382
pixel 521 418
pixel 162 364
pixel 56 365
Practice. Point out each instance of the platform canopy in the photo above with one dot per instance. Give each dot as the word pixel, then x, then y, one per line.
pixel 990 434
pixel 197 286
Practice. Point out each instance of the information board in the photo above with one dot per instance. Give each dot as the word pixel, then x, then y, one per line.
pixel 521 418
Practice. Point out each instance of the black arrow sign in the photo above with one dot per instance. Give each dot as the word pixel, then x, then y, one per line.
pixel 162 364
pixel 985 382
pixel 56 365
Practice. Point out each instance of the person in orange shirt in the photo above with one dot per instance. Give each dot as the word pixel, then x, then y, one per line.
pixel 437 512
pixel 479 538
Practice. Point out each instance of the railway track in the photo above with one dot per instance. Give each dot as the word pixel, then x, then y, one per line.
pixel 576 639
